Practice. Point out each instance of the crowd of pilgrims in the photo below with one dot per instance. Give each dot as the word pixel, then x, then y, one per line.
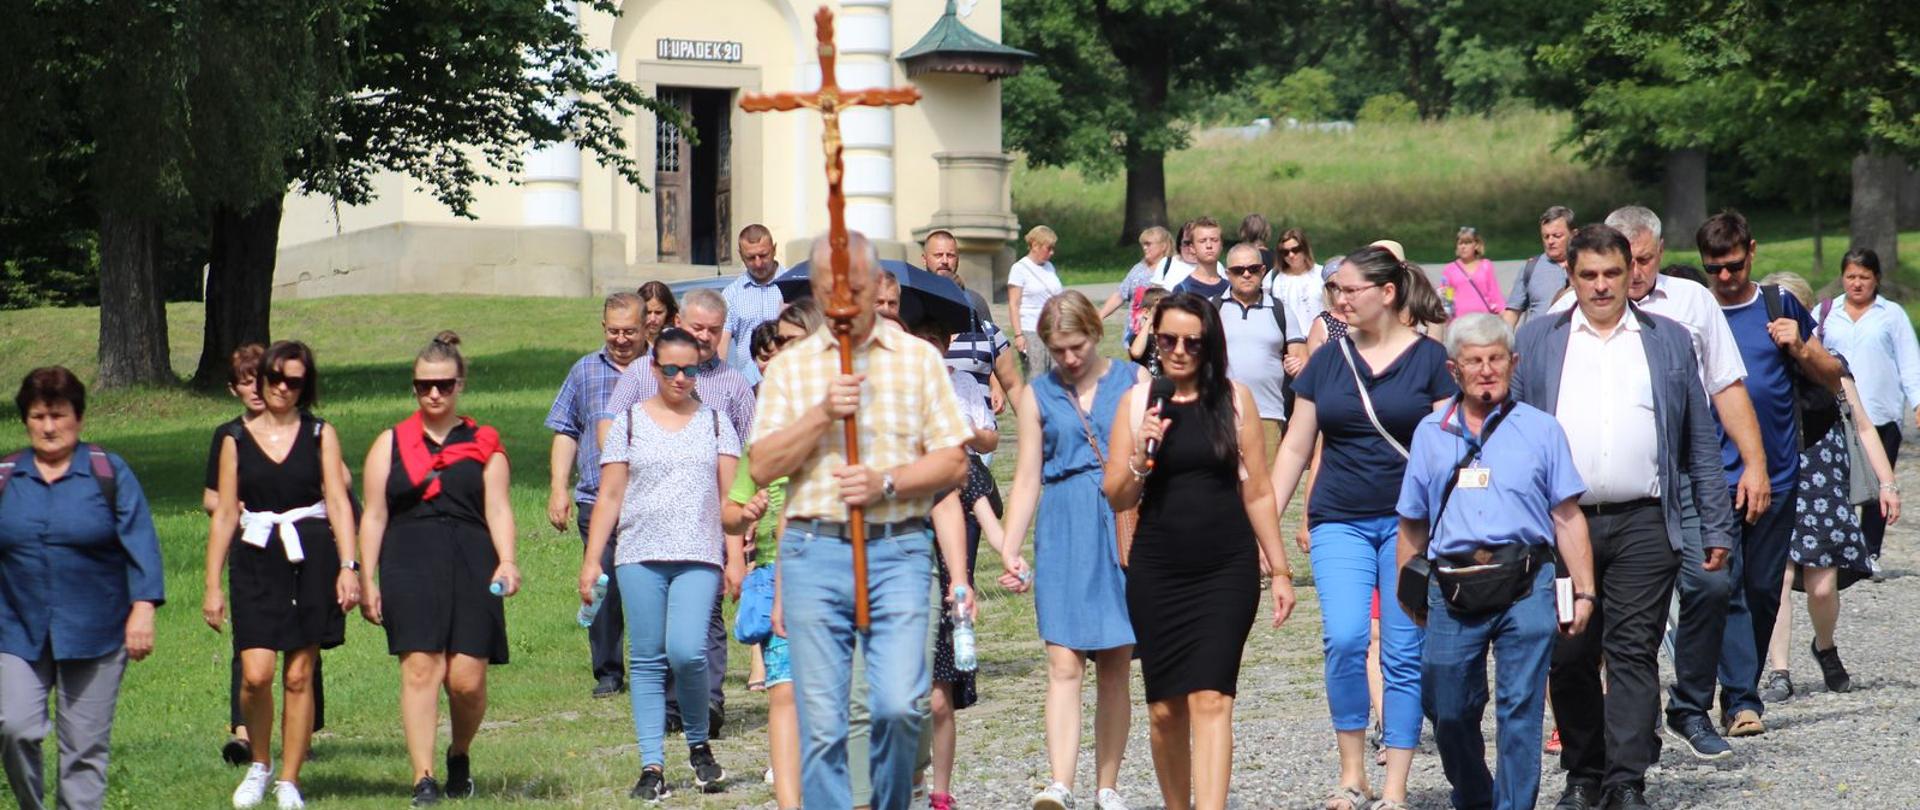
pixel 1660 454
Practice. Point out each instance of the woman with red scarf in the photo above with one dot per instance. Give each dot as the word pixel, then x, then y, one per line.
pixel 437 483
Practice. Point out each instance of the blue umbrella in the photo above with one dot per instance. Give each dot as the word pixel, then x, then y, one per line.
pixel 924 296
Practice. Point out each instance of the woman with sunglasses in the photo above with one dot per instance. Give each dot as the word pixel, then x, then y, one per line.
pixel 1206 520
pixel 436 487
pixel 283 529
pixel 1361 396
pixel 672 458
pixel 1156 261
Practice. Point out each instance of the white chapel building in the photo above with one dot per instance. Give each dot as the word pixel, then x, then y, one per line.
pixel 570 227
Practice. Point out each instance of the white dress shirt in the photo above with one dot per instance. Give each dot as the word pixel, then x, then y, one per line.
pixel 1697 310
pixel 1883 354
pixel 1606 407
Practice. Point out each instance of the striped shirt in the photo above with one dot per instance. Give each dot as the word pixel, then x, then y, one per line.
pixel 582 398
pixel 976 350
pixel 749 304
pixel 717 385
pixel 907 409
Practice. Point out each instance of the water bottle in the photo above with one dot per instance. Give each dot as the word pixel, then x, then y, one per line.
pixel 498 587
pixel 592 609
pixel 964 657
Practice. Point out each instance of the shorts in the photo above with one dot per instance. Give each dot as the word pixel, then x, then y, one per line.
pixel 773 653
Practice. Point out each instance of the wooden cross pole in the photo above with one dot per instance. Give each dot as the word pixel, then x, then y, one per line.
pixel 841 309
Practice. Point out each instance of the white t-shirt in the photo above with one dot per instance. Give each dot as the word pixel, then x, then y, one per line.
pixel 1175 272
pixel 1037 283
pixel 1303 296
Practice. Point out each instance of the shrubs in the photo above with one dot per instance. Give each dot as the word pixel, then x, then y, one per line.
pixel 1390 108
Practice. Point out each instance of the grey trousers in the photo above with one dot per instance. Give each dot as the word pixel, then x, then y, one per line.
pixel 88 691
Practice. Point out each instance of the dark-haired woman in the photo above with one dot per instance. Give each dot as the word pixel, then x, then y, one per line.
pixel 284 531
pixel 1362 396
pixel 669 458
pixel 1193 577
pixel 75 517
pixel 1876 337
pixel 439 531
pixel 661 309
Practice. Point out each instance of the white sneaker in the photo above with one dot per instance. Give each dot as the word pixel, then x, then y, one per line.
pixel 769 776
pixel 1055 797
pixel 253 788
pixel 1874 571
pixel 1109 799
pixel 287 795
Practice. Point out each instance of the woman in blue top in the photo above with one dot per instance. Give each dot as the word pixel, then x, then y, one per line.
pixel 1080 595
pixel 1350 515
pixel 75 516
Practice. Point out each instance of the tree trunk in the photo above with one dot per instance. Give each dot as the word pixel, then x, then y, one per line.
pixel 1686 196
pixel 1146 193
pixel 239 286
pixel 1876 200
pixel 1909 215
pixel 133 316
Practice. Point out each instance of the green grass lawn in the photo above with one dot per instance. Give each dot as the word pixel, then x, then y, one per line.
pixel 545 739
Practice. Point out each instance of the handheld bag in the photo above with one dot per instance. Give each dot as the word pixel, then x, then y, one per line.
pixel 753 617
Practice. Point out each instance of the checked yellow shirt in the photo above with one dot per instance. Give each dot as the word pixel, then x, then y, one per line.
pixel 907 409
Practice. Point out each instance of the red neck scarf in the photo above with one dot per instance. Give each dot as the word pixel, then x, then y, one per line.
pixel 423 465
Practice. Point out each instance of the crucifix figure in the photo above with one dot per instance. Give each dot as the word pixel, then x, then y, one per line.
pixel 841 309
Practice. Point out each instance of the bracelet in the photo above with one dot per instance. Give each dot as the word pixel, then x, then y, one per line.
pixel 1890 487
pixel 1137 472
pixel 1587 596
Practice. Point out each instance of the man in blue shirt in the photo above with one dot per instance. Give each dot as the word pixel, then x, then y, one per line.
pixel 1776 337
pixel 752 299
pixel 584 395
pixel 1545 275
pixel 1519 491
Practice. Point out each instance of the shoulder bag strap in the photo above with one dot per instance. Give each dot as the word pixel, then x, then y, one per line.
pixel 1366 401
pixel 1473 452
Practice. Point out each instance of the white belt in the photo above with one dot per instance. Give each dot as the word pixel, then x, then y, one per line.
pixel 255 525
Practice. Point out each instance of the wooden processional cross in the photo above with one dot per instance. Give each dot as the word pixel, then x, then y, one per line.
pixel 829 100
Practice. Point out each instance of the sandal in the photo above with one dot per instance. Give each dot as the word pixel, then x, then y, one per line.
pixel 1388 804
pixel 1347 798
pixel 756 686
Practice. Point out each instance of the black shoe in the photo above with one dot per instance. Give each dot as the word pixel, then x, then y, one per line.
pixel 652 786
pixel 707 774
pixel 1695 734
pixel 1579 796
pixel 426 792
pixel 1777 687
pixel 675 725
pixel 459 777
pixel 236 752
pixel 607 686
pixel 1627 797
pixel 1832 670
pixel 717 720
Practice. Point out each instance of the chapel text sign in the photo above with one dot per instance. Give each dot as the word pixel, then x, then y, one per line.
pixel 699 50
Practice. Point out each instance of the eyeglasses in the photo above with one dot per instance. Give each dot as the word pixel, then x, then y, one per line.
pixel 1348 292
pixel 670 370
pixel 1247 269
pixel 444 386
pixel 1185 344
pixel 292 383
pixel 623 333
pixel 1730 268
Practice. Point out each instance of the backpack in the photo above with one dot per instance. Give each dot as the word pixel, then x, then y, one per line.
pixel 1273 303
pixel 102 473
pixel 1814 407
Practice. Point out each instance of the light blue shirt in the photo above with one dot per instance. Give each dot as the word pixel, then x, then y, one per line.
pixel 749 304
pixel 1883 353
pixel 1530 472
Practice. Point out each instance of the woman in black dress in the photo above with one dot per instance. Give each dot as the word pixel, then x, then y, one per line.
pixel 284 530
pixel 436 485
pixel 1193 576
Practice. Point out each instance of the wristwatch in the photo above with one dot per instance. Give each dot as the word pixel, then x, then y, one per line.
pixel 886 485
pixel 351 565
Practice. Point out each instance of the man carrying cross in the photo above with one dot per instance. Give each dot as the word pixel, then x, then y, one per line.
pixel 910 431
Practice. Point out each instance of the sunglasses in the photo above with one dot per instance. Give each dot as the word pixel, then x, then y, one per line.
pixel 444 386
pixel 670 370
pixel 1730 268
pixel 1186 344
pixel 1247 269
pixel 292 383
pixel 1290 251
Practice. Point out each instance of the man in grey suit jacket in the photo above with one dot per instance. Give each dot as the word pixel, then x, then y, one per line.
pixel 1625 385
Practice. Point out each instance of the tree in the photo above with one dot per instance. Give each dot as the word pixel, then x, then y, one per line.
pixel 1114 77
pixel 1305 95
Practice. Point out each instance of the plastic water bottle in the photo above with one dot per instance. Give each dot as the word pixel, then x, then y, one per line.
pixel 965 658
pixel 592 609
pixel 498 587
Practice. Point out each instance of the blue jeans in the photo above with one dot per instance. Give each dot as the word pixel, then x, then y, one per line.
pixel 1350 560
pixel 1759 558
pixel 1454 682
pixel 817 601
pixel 667 606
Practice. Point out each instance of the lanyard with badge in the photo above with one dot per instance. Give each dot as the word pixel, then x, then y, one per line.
pixel 1470 473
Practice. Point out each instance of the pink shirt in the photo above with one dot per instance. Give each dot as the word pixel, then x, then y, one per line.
pixel 1478 291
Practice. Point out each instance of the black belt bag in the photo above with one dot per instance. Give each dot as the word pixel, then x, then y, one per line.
pixel 1490 579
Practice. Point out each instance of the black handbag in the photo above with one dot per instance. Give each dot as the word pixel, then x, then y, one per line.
pixel 1487 579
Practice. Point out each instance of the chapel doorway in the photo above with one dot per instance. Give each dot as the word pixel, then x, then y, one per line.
pixel 693 188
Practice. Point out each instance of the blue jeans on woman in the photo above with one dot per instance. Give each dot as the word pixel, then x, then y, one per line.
pixel 666 605
pixel 1454 667
pixel 1350 560
pixel 817 601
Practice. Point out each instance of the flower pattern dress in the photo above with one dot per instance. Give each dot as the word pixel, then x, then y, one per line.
pixel 1826 530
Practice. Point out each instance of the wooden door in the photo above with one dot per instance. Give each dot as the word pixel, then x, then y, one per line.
pixel 673 180
pixel 723 180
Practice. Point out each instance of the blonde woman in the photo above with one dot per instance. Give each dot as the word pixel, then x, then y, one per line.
pixel 1031 281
